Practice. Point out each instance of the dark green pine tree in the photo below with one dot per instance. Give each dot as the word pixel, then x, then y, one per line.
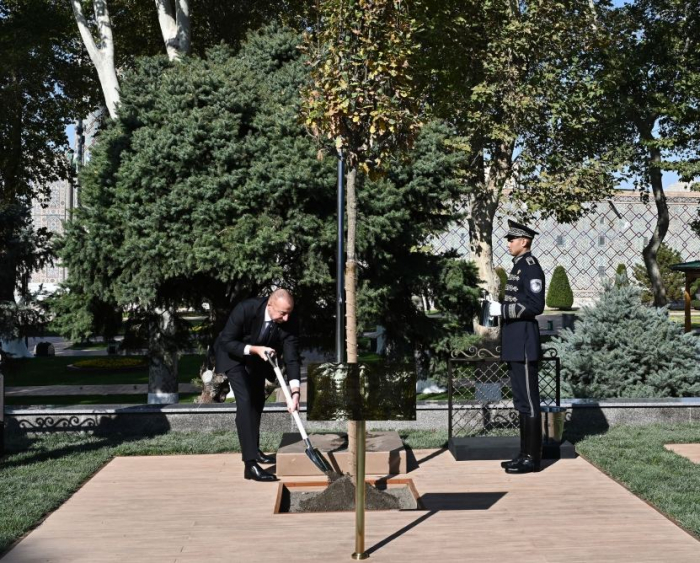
pixel 622 348
pixel 400 214
pixel 206 189
pixel 559 294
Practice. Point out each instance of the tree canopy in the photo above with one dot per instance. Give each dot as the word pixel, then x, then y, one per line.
pixel 519 83
pixel 43 86
pixel 206 187
pixel 651 66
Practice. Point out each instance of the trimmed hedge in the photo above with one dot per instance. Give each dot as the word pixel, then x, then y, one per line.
pixel 559 294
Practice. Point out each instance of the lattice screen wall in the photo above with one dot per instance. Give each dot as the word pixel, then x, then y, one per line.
pixel 591 249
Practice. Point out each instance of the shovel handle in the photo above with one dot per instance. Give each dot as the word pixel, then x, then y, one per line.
pixel 287 395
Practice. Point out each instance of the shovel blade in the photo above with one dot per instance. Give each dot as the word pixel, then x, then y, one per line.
pixel 318 460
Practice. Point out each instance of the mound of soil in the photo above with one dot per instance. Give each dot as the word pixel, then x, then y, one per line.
pixel 340 495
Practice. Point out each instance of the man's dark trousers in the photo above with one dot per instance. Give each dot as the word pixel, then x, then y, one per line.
pixel 248 386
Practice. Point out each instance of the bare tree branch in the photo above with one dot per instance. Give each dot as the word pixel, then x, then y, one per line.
pixel 174 20
pixel 102 53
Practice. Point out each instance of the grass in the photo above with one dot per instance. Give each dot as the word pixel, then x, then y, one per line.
pixel 67 400
pixel 635 457
pixel 54 371
pixel 90 345
pixel 432 396
pixel 694 319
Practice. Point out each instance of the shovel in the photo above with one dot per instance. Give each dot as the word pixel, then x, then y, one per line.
pixel 313 454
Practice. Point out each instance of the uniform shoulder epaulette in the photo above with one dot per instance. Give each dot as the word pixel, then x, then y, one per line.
pixel 530 261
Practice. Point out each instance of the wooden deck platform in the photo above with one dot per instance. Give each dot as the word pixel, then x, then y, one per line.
pixel 196 509
pixel 690 451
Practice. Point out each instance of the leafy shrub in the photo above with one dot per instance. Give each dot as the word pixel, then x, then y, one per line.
pixel 624 349
pixel 559 294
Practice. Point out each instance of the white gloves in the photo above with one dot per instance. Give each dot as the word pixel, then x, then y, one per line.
pixel 494 308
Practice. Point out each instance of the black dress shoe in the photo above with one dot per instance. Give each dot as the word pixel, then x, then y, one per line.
pixel 512 462
pixel 263 458
pixel 257 473
pixel 524 465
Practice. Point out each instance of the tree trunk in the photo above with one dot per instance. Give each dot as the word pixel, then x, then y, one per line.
pixel 102 52
pixel 162 369
pixel 350 301
pixel 175 27
pixel 483 207
pixel 662 216
pixel 662 221
pixel 8 279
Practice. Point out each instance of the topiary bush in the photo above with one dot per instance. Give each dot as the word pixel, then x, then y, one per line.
pixel 622 348
pixel 621 275
pixel 559 294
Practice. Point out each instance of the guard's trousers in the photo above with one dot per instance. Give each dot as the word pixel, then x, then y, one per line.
pixel 525 385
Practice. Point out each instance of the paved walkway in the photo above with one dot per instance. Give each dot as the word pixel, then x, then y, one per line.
pixel 689 451
pixel 195 509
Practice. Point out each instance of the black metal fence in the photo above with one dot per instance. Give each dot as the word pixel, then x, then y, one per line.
pixel 480 397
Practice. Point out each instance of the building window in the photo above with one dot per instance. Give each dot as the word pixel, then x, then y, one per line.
pixel 601 240
pixel 560 240
pixel 54 224
pixel 601 271
pixel 55 200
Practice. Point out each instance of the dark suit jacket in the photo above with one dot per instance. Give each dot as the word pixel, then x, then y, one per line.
pixel 243 327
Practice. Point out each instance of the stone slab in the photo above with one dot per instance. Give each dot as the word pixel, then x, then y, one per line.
pixel 385 454
pixel 501 447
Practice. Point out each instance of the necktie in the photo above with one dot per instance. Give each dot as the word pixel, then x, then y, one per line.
pixel 265 332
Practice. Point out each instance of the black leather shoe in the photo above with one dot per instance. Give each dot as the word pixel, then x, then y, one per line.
pixel 524 465
pixel 512 462
pixel 263 458
pixel 257 473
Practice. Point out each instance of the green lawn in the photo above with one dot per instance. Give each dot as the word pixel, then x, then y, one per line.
pixel 55 371
pixel 635 457
pixel 67 400
pixel 680 319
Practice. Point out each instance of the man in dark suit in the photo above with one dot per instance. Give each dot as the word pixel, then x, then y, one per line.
pixel 257 326
pixel 520 344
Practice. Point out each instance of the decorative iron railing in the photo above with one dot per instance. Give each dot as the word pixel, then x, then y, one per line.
pixel 479 393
